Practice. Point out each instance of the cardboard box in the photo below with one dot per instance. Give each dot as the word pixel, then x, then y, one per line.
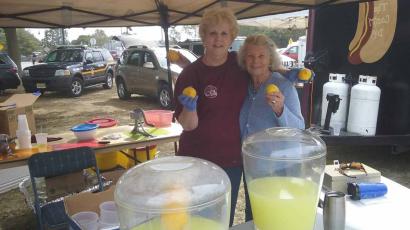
pixel 8 113
pixel 87 201
pixel 335 181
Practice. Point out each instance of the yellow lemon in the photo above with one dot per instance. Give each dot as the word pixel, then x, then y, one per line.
pixel 189 91
pixel 173 56
pixel 176 215
pixel 305 74
pixel 272 88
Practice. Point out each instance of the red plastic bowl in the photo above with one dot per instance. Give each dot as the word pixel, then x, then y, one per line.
pixel 159 118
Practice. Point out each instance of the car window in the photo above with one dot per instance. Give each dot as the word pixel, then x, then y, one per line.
pixel 3 60
pixel 148 57
pixel 107 55
pixel 70 55
pixel 97 56
pixel 135 58
pixel 88 56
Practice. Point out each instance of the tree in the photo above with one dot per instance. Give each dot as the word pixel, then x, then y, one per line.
pixel 279 36
pixel 53 38
pixel 82 40
pixel 27 42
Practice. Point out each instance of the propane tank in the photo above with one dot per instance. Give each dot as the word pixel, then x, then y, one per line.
pixel 336 85
pixel 364 106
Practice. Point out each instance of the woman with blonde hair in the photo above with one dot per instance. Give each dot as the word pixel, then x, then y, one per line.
pixel 211 119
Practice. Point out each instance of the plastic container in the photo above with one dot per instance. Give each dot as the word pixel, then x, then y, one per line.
pixel 336 85
pixel 24 139
pixel 159 118
pixel 364 106
pixel 174 193
pixel 85 131
pixel 284 170
pixel 87 220
pixel 108 214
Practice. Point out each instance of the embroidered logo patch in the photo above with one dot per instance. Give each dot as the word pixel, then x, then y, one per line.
pixel 211 91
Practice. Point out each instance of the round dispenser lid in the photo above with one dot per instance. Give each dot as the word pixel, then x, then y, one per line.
pixel 284 144
pixel 156 185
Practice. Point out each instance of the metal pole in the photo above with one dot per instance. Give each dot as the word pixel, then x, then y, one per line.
pixel 63 35
pixel 163 11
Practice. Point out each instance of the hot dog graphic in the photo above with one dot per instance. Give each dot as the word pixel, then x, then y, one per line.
pixel 375 31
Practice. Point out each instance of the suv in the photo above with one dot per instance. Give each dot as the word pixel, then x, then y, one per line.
pixel 71 68
pixel 144 71
pixel 9 78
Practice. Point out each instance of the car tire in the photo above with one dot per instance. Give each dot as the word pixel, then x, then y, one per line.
pixel 164 96
pixel 122 91
pixel 76 87
pixel 109 81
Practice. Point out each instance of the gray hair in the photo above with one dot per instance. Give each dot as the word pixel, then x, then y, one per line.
pixel 216 16
pixel 260 40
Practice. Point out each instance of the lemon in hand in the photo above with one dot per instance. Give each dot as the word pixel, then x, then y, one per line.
pixel 272 88
pixel 189 91
pixel 173 56
pixel 305 74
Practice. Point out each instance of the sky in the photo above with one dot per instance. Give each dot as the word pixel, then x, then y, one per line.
pixel 147 33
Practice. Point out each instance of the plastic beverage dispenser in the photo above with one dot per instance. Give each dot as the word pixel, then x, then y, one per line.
pixel 336 85
pixel 284 170
pixel 364 106
pixel 174 193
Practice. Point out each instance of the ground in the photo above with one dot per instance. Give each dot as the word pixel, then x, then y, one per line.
pixel 56 113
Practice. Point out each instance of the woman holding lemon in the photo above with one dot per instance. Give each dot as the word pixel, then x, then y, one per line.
pixel 272 100
pixel 210 94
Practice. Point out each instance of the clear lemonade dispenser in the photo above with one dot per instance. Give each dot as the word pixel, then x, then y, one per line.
pixel 284 170
pixel 174 193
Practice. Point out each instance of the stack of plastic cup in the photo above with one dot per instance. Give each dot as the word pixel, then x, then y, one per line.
pixel 23 132
pixel 108 214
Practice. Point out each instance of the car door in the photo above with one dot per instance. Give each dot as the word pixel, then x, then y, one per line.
pixel 131 72
pixel 88 67
pixel 99 67
pixel 149 74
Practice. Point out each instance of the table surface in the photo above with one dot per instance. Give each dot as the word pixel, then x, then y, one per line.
pixel 387 212
pixel 161 135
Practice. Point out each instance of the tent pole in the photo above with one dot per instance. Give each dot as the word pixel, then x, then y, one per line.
pixel 163 11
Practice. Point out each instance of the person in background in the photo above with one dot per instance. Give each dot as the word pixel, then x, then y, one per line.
pixel 33 58
pixel 211 119
pixel 266 105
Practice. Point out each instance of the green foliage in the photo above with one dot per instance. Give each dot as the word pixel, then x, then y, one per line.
pixel 99 35
pixel 53 38
pixel 26 41
pixel 279 36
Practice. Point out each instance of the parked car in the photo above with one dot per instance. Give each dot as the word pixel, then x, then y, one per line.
pixel 143 71
pixel 9 78
pixel 70 69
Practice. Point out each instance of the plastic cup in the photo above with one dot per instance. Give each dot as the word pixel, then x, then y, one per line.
pixel 41 139
pixel 24 139
pixel 108 213
pixel 22 123
pixel 336 129
pixel 86 220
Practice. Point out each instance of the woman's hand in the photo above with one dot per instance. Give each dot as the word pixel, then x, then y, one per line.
pixel 276 101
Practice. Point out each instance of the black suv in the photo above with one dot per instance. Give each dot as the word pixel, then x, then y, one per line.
pixel 9 78
pixel 71 68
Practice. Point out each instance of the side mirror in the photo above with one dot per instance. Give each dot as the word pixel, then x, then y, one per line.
pixel 148 65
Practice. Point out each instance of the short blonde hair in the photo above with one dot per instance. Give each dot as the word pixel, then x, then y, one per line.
pixel 260 40
pixel 216 16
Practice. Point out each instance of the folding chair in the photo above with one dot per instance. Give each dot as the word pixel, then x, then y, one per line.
pixel 57 163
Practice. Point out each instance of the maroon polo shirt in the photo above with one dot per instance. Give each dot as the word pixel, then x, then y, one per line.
pixel 221 91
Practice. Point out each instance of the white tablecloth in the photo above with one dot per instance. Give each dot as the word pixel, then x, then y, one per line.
pixel 391 211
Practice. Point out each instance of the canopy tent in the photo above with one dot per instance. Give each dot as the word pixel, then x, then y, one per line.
pixel 111 13
pixel 297 22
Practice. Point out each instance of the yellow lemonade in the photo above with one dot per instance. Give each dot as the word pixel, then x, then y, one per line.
pixel 194 223
pixel 283 203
